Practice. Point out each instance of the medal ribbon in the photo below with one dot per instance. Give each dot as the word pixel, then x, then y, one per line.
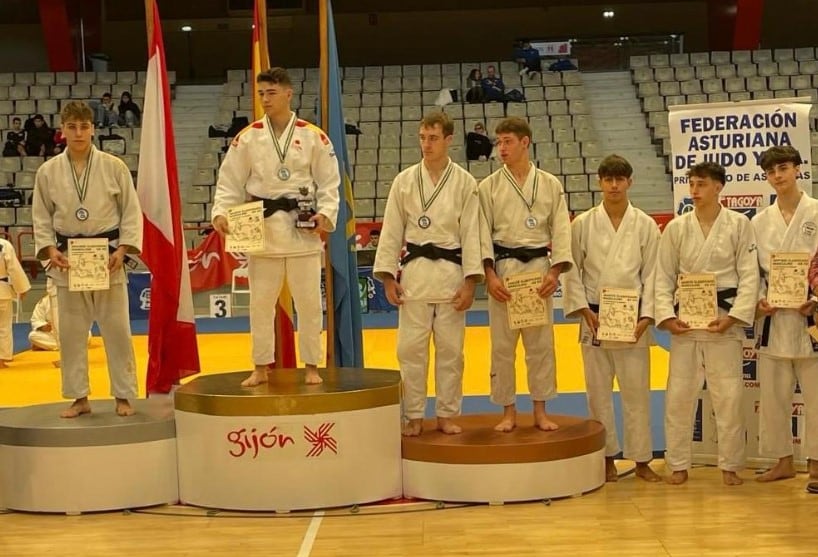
pixel 81 184
pixel 282 154
pixel 428 203
pixel 519 190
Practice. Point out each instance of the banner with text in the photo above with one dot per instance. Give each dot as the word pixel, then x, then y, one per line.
pixel 734 135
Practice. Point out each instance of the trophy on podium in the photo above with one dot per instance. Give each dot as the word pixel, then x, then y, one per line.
pixel 305 209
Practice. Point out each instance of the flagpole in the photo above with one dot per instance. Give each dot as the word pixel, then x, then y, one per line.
pixel 323 18
pixel 148 23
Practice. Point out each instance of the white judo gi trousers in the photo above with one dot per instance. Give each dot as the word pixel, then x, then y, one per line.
pixel 631 367
pixel 777 377
pixel 266 276
pixel 77 312
pixel 691 363
pixel 418 321
pixel 6 337
pixel 538 343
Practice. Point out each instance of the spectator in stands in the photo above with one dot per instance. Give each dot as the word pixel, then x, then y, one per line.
pixel 59 142
pixel 374 238
pixel 15 140
pixel 40 138
pixel 493 87
pixel 478 144
pixel 529 59
pixel 130 114
pixel 14 285
pixel 474 87
pixel 105 115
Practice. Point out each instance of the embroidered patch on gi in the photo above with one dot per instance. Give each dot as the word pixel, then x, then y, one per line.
pixel 808 228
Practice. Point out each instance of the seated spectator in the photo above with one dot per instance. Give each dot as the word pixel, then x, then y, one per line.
pixel 105 115
pixel 130 114
pixel 44 335
pixel 15 140
pixel 40 138
pixel 493 87
pixel 59 142
pixel 474 87
pixel 529 59
pixel 478 144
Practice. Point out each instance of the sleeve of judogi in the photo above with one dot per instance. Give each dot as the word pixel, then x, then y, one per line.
pixel 42 211
pixel 758 229
pixel 560 230
pixel 744 305
pixel 574 298
pixel 648 270
pixel 40 315
pixel 327 178
pixel 667 269
pixel 17 276
pixel 472 262
pixel 130 213
pixel 233 175
pixel 392 232
pixel 486 220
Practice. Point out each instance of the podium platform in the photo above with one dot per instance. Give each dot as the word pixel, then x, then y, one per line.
pixel 481 465
pixel 96 462
pixel 286 445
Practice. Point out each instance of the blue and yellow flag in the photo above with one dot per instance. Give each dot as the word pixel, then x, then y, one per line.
pixel 346 302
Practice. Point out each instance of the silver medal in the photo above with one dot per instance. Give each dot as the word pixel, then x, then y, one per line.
pixel 82 214
pixel 284 174
pixel 530 222
pixel 424 222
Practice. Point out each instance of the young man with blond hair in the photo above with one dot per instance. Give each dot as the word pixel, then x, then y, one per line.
pixel 524 228
pixel 614 246
pixel 279 160
pixel 433 208
pixel 87 193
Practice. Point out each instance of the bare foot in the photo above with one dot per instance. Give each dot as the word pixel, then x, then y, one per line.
pixel 611 473
pixel 79 407
pixel 3 364
pixel 311 376
pixel 56 364
pixel 644 471
pixel 677 478
pixel 123 407
pixel 813 469
pixel 730 478
pixel 782 470
pixel 447 426
pixel 413 428
pixel 509 420
pixel 256 378
pixel 541 418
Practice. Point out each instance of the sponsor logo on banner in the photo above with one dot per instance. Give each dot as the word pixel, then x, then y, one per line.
pixel 747 205
pixel 749 367
pixel 685 206
pixel 283 440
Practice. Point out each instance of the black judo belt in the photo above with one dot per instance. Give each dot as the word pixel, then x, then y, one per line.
pixel 281 204
pixel 521 254
pixel 764 338
pixel 431 251
pixel 111 235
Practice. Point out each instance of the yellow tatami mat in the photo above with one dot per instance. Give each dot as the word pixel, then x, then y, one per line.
pixel 31 378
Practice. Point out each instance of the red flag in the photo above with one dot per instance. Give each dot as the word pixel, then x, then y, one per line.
pixel 172 349
pixel 210 266
pixel 285 335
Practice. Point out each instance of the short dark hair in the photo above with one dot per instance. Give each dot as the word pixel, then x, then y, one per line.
pixel 15 119
pixel 614 166
pixel 779 155
pixel 515 125
pixel 38 117
pixel 276 76
pixel 708 169
pixel 438 118
pixel 375 232
pixel 106 94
